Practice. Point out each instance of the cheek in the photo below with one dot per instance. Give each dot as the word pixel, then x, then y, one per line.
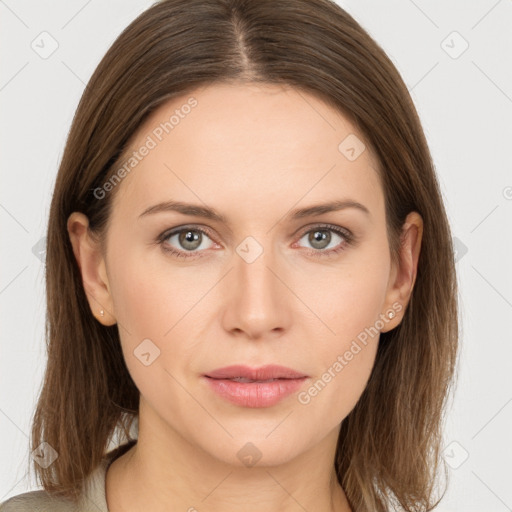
pixel 349 304
pixel 347 364
pixel 151 296
pixel 157 302
pixel 151 303
pixel 349 297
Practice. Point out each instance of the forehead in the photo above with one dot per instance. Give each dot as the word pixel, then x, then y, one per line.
pixel 238 143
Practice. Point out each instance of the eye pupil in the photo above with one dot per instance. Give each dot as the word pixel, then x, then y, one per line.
pixel 188 239
pixel 319 237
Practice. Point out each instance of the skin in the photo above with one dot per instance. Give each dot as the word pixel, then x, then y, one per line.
pixel 253 153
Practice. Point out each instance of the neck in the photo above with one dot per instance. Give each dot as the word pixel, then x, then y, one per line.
pixel 169 474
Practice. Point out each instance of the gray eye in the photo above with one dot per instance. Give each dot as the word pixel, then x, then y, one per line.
pixel 189 240
pixel 321 238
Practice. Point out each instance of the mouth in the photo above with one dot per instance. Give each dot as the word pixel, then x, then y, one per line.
pixel 254 392
pixel 246 374
pixel 243 379
pixel 252 381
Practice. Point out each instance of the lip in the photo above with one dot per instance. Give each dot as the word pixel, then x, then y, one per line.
pixel 254 394
pixel 269 371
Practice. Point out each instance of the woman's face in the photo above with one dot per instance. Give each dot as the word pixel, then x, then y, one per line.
pixel 264 285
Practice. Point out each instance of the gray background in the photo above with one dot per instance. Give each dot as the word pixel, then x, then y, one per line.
pixel 464 99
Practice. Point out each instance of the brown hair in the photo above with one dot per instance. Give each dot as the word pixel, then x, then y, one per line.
pixel 388 449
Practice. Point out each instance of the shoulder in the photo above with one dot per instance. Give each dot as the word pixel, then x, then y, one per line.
pixel 92 498
pixel 37 501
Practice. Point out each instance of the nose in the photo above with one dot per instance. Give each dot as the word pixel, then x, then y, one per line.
pixel 258 302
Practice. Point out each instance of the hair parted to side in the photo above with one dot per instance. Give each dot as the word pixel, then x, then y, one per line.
pixel 389 447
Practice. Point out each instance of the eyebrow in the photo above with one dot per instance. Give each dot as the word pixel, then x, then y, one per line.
pixel 211 213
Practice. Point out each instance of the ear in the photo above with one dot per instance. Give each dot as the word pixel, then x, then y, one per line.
pixel 403 275
pixel 92 267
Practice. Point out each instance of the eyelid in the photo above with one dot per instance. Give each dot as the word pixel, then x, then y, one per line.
pixel 302 231
pixel 347 235
pixel 177 253
pixel 199 227
pixel 338 229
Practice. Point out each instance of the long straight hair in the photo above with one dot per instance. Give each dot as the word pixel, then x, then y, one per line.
pixel 389 446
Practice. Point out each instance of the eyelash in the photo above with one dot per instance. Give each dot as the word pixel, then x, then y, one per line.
pixel 344 233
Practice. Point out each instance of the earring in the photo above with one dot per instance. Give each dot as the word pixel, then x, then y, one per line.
pixel 102 312
pixel 391 314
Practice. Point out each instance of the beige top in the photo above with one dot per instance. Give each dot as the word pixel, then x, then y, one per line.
pixel 92 498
